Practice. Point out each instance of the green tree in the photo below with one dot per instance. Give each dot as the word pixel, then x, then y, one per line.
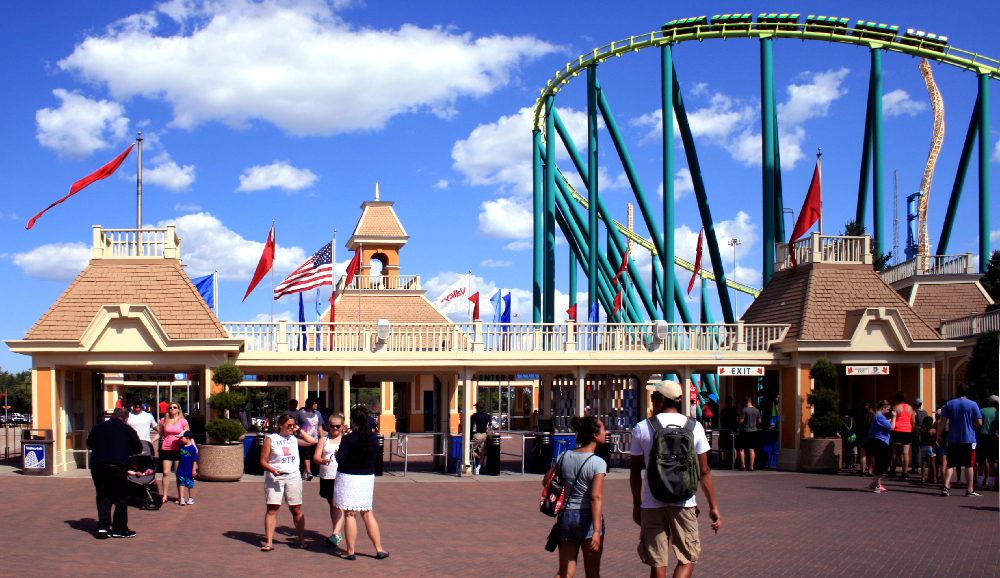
pixel 982 374
pixel 18 388
pixel 825 400
pixel 991 279
pixel 855 229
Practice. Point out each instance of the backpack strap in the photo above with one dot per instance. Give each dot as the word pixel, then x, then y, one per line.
pixel 689 425
pixel 655 425
pixel 576 478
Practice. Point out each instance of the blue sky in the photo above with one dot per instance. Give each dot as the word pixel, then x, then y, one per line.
pixel 293 110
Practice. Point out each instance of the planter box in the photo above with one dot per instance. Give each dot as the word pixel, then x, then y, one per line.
pixel 220 463
pixel 820 454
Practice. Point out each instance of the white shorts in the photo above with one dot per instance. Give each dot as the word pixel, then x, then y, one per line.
pixel 288 490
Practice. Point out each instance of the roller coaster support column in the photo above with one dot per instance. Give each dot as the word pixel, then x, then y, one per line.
pixel 779 201
pixel 767 154
pixel 549 285
pixel 667 254
pixel 572 280
pixel 633 179
pixel 578 246
pixel 591 181
pixel 984 171
pixel 877 204
pixel 539 233
pixel 956 190
pixel 706 213
pixel 866 154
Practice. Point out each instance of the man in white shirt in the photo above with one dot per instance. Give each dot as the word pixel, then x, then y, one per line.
pixel 674 525
pixel 142 422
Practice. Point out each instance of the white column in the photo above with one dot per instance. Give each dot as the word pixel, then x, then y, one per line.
pixel 581 388
pixel 466 468
pixel 345 392
pixel 686 388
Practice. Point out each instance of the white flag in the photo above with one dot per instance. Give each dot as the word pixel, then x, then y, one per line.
pixel 455 299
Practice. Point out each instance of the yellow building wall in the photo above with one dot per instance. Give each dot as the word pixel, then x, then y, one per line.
pixel 789 393
pixel 805 388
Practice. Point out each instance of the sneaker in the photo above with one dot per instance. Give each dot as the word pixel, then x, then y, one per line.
pixel 871 486
pixel 477 470
pixel 102 534
pixel 903 477
pixel 880 490
pixel 337 538
pixel 971 494
pixel 945 492
pixel 190 501
pixel 126 534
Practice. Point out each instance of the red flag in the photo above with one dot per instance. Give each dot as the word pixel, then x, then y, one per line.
pixel 474 298
pixel 697 262
pixel 264 265
pixel 572 312
pixel 352 268
pixel 617 302
pixel 811 208
pixel 621 269
pixel 101 173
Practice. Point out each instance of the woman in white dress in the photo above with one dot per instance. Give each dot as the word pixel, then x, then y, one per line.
pixel 282 481
pixel 326 456
pixel 356 482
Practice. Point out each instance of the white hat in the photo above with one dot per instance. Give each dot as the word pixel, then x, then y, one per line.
pixel 667 388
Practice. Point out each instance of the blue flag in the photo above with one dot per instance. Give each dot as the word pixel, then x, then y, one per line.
pixel 495 302
pixel 206 287
pixel 319 314
pixel 302 319
pixel 505 317
pixel 594 315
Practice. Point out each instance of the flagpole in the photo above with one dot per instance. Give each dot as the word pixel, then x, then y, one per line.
pixel 215 292
pixel 333 276
pixel 138 191
pixel 361 262
pixel 470 295
pixel 272 268
pixel 819 169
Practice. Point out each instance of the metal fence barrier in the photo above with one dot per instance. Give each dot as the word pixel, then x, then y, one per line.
pixel 510 435
pixel 12 441
pixel 716 437
pixel 402 447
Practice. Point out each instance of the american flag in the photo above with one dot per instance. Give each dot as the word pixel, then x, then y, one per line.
pixel 316 271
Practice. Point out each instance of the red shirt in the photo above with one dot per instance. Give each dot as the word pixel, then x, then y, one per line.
pixel 163 407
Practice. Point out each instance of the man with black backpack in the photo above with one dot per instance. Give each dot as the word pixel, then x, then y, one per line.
pixel 674 451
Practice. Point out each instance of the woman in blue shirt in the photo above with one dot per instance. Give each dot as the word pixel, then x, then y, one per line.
pixel 878 442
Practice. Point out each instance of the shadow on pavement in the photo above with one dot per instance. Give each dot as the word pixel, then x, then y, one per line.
pixel 283 535
pixel 983 508
pixel 88 525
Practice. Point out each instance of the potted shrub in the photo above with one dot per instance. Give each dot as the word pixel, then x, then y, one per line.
pixel 822 452
pixel 221 459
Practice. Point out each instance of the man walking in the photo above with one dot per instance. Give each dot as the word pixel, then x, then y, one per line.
pixel 986 442
pixel 962 418
pixel 901 436
pixel 479 428
pixel 667 526
pixel 111 443
pixel 142 422
pixel 746 441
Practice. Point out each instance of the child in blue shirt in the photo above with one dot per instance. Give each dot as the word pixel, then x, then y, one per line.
pixel 187 469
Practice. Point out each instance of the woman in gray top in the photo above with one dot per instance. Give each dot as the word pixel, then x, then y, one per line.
pixel 578 522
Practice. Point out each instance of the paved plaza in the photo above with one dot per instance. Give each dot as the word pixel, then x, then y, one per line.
pixel 774 524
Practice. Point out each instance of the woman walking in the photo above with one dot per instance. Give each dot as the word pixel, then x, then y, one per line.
pixel 356 482
pixel 326 456
pixel 582 522
pixel 170 429
pixel 878 443
pixel 282 481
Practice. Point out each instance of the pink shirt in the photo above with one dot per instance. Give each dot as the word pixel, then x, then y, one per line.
pixel 171 433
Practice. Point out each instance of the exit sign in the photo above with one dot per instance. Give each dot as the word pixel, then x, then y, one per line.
pixel 754 371
pixel 867 370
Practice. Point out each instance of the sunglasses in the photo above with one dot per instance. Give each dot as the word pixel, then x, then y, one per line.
pixel 336 426
pixel 175 407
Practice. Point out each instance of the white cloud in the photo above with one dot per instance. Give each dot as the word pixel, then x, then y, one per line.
pixel 492 263
pixel 441 184
pixel 168 174
pixel 277 174
pixel 54 262
pixel 506 218
pixel 699 89
pixel 209 245
pixel 682 184
pixel 996 153
pixel 80 125
pixel 266 317
pixel 519 245
pixel 898 103
pixel 293 63
pixel 187 208
pixel 994 237
pixel 520 299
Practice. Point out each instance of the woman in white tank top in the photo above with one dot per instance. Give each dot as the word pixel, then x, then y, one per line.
pixel 280 459
pixel 326 456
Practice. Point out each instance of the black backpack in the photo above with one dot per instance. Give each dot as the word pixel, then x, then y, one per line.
pixel 673 472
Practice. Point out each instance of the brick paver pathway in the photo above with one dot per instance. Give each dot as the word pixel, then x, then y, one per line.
pixel 774 524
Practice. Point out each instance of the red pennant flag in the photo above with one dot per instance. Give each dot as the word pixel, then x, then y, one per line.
pixel 572 312
pixel 101 173
pixel 811 209
pixel 621 269
pixel 352 268
pixel 617 302
pixel 697 262
pixel 474 298
pixel 264 265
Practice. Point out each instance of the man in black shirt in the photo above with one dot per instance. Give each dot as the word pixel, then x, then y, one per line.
pixel 111 444
pixel 480 425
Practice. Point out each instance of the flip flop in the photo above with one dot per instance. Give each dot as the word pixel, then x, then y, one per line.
pixel 348 557
pixel 303 546
pixel 267 548
pixel 381 555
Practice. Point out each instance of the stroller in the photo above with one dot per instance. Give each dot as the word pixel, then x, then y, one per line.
pixel 143 491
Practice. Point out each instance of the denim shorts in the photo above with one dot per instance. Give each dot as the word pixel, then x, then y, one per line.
pixel 577 525
pixel 185 481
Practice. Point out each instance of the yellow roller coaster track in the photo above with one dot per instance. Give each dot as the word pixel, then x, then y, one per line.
pixel 937 138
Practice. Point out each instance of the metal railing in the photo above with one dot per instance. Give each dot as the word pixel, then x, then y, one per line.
pixel 285 336
pixel 929 265
pixel 383 282
pixel 818 248
pixel 402 447
pixel 974 324
pixel 135 243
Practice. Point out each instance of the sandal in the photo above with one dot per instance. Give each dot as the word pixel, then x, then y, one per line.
pixel 303 546
pixel 267 548
pixel 346 556
pixel 381 555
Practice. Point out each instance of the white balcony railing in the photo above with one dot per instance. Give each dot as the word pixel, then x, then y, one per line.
pixel 818 248
pixel 929 265
pixel 504 337
pixel 135 243
pixel 383 282
pixel 971 325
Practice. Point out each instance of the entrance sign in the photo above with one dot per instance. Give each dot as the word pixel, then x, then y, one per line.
pixel 867 370
pixel 740 370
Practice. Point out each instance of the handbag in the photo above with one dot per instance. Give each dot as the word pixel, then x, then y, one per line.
pixel 554 493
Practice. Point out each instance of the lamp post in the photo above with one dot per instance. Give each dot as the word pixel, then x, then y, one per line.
pixel 734 242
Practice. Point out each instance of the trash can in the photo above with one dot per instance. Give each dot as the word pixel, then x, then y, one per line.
pixel 541 454
pixel 37 452
pixel 492 466
pixel 455 454
pixel 380 458
pixel 252 446
pixel 561 442
pixel 529 450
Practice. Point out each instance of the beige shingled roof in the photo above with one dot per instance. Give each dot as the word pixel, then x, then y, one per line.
pixel 163 286
pixel 935 302
pixel 818 300
pixel 379 220
pixel 396 307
